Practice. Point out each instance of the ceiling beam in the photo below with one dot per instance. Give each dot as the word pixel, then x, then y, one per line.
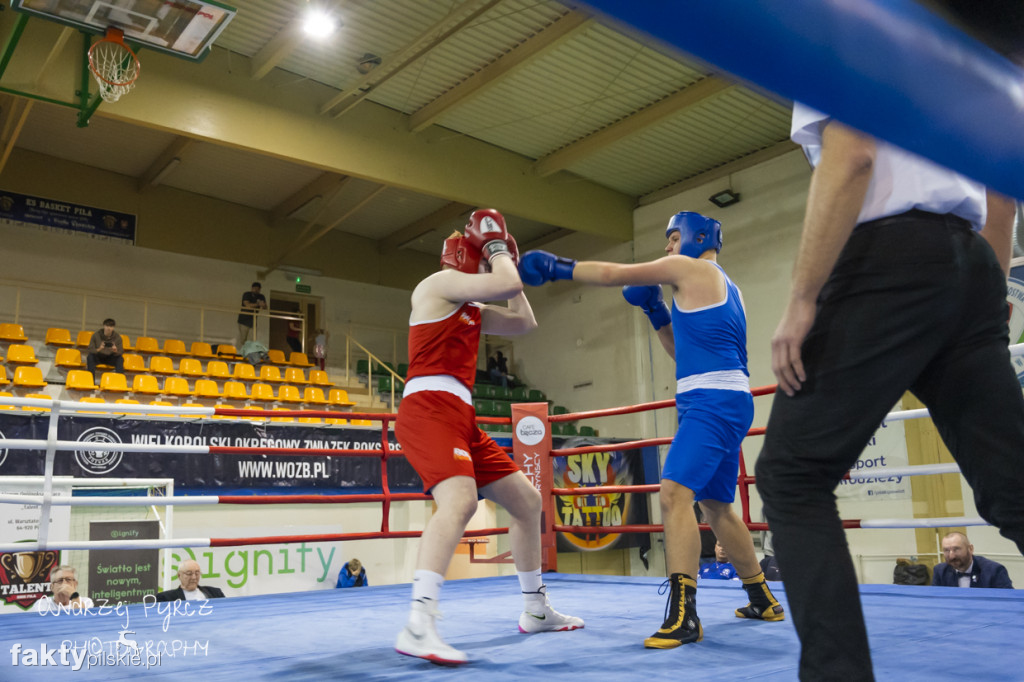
pixel 551 37
pixel 301 243
pixel 168 159
pixel 14 113
pixel 424 43
pixel 425 225
pixel 725 170
pixel 325 187
pixel 632 124
pixel 275 50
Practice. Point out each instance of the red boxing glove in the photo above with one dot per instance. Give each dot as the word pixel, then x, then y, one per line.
pixel 486 233
pixel 513 249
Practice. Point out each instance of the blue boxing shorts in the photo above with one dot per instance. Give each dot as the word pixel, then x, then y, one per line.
pixel 705 453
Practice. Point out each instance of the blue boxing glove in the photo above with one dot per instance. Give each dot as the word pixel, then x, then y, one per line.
pixel 539 267
pixel 650 300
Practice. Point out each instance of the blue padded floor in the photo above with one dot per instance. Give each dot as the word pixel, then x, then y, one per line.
pixel 916 633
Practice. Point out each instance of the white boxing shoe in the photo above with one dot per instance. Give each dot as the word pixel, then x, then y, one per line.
pixel 419 638
pixel 540 617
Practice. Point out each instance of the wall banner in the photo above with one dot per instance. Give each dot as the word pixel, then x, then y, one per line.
pixel 67 218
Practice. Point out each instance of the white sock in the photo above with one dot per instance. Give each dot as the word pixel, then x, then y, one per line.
pixel 426 585
pixel 530 581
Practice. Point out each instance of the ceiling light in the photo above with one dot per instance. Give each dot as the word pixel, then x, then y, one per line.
pixel 318 23
pixel 725 198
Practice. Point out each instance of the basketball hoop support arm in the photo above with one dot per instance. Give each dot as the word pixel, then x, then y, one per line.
pixel 87 107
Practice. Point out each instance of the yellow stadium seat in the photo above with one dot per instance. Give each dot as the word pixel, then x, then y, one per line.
pixel 277 357
pixel 263 393
pixel 314 396
pixel 295 375
pixel 361 422
pixel 270 373
pixel 20 354
pixel 299 360
pixel 6 394
pixel 335 421
pixel 218 369
pixel 80 380
pixel 310 420
pixel 96 400
pixel 282 419
pixel 83 339
pixel 147 344
pixel 134 363
pixel 32 408
pixel 68 358
pixel 289 394
pixel 177 387
pixel 235 390
pixel 27 376
pixel 318 377
pixel 126 343
pixel 244 372
pixel 13 333
pixel 226 350
pixel 125 401
pixel 57 336
pixel 175 347
pixel 145 384
pixel 161 364
pixel 200 349
pixel 190 367
pixel 339 397
pixel 113 382
pixel 206 388
pixel 3 377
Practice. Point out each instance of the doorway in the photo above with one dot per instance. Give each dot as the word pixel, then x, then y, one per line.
pixel 285 305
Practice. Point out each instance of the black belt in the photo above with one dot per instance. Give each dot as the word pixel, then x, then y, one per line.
pixel 918 216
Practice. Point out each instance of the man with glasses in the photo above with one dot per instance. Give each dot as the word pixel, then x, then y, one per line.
pixel 64 586
pixel 190 589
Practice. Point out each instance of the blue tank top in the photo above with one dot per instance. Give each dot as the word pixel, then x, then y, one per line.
pixel 713 338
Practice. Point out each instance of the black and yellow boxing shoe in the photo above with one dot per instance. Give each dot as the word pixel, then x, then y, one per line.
pixel 681 625
pixel 763 604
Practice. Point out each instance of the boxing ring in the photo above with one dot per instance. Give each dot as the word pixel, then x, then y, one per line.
pixel 916 632
pixel 338 634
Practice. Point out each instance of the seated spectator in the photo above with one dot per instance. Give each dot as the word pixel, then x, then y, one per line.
pixel 964 568
pixel 64 587
pixel 720 568
pixel 352 574
pixel 770 567
pixel 497 368
pixel 105 348
pixel 190 589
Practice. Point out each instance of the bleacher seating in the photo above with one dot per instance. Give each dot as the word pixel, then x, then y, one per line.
pixel 147 344
pixel 83 338
pixel 134 363
pixel 271 373
pixel 263 393
pixel 319 378
pixel 207 389
pixel 191 367
pixel 59 337
pixel 68 359
pixel 176 387
pixel 12 333
pixel 297 359
pixel 313 396
pixel 175 347
pixel 6 394
pixel 201 349
pixel 114 382
pixel 218 369
pixel 28 376
pixel 33 408
pixel 145 384
pixel 243 371
pixel 295 375
pixel 277 357
pixel 161 364
pixel 236 391
pixel 80 380
pixel 21 354
pixel 289 394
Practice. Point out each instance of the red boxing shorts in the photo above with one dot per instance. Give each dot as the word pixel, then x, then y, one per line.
pixel 440 438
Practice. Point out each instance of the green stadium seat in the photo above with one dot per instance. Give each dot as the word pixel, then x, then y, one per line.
pixel 502 393
pixel 520 394
pixel 362 367
pixel 403 369
pixel 479 391
pixel 536 396
pixel 483 407
pixel 559 409
pixel 502 408
pixel 588 431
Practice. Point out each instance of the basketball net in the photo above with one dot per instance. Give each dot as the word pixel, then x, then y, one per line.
pixel 114 65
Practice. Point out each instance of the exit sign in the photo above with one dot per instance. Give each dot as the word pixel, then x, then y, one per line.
pixel 304 288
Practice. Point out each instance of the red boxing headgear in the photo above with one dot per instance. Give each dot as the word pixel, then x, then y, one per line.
pixel 457 253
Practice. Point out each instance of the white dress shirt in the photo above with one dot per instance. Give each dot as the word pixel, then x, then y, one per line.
pixel 901 181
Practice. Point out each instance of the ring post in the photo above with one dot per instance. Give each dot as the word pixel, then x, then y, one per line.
pixel 531 447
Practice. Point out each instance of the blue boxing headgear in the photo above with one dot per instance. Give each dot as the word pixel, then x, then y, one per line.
pixel 697 233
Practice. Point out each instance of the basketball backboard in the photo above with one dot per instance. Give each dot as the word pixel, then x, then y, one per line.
pixel 180 27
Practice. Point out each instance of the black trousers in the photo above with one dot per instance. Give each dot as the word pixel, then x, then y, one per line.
pixel 914 302
pixel 93 359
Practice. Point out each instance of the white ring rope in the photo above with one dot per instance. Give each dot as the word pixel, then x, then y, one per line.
pixel 944 522
pixel 68 545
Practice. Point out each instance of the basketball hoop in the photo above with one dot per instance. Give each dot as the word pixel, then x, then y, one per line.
pixel 114 65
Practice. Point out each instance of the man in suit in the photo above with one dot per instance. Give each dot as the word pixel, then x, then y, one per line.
pixel 188 576
pixel 964 568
